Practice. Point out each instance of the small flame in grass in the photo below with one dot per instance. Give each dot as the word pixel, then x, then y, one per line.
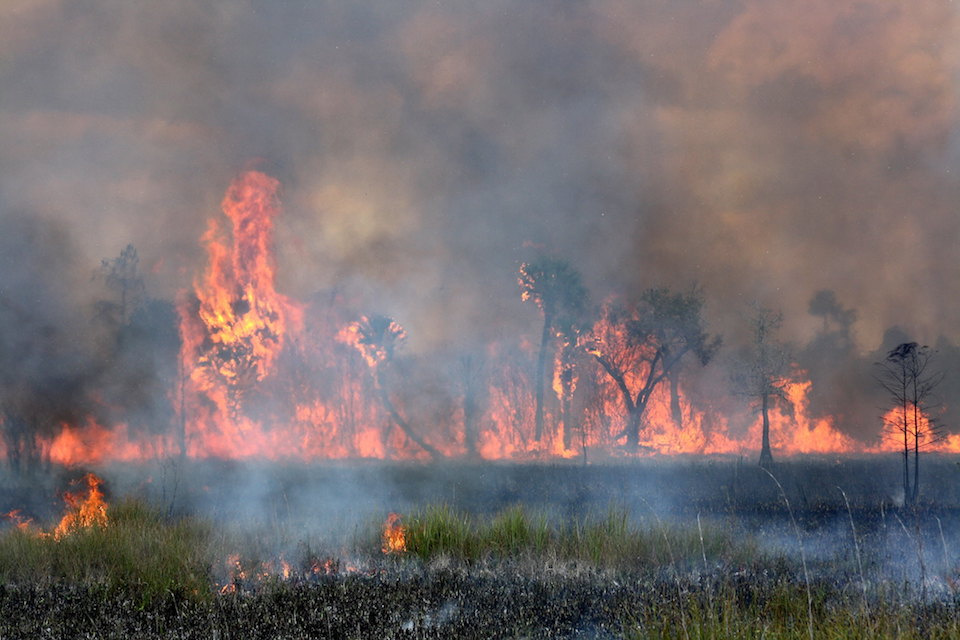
pixel 18 520
pixel 84 509
pixel 394 535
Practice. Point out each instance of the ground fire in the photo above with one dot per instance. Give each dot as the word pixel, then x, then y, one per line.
pixel 394 535
pixel 263 375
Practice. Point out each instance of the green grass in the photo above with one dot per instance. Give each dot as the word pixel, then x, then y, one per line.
pixel 609 541
pixel 699 580
pixel 139 553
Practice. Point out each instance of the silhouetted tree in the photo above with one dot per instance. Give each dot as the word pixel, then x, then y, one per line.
pixel 123 278
pixel 568 332
pixel 556 288
pixel 471 370
pixel 907 376
pixel 838 371
pixel 762 374
pixel 377 338
pixel 49 365
pixel 825 305
pixel 648 342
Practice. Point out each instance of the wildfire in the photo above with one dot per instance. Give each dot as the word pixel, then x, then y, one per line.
pixel 394 535
pixel 18 520
pixel 255 382
pixel 84 508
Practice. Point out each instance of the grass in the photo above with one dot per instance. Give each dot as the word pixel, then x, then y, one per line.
pixel 138 552
pixel 609 541
pixel 634 578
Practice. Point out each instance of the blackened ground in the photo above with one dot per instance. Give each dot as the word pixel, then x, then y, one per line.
pixel 444 603
pixel 501 602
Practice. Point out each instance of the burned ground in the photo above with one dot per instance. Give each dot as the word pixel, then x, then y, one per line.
pixel 874 566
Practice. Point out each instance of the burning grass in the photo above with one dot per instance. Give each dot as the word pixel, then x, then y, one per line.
pixel 138 553
pixel 533 569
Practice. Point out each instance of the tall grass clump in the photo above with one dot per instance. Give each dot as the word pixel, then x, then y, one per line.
pixel 137 553
pixel 611 540
pixel 440 531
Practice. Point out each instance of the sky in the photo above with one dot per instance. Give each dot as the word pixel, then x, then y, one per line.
pixel 765 149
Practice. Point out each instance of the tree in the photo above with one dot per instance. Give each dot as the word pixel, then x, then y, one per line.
pixel 909 379
pixel 122 276
pixel 556 288
pixel 762 375
pixel 639 347
pixel 824 304
pixel 378 337
pixel 569 333
pixel 470 367
pixel 833 362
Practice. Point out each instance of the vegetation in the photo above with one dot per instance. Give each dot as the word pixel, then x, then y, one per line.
pixel 611 541
pixel 762 376
pixel 650 340
pixel 908 378
pixel 556 288
pixel 533 568
pixel 138 553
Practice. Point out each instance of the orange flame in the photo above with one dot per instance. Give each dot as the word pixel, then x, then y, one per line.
pixel 83 511
pixel 394 535
pixel 256 383
pixel 21 523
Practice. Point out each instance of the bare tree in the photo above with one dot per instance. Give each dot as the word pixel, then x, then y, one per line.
pixel 761 376
pixel 471 369
pixel 378 337
pixel 123 278
pixel 647 342
pixel 556 288
pixel 907 376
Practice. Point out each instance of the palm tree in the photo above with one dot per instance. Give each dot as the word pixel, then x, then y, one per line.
pixel 555 287
pixel 378 337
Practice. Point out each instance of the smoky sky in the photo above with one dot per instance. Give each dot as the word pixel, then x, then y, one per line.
pixel 765 149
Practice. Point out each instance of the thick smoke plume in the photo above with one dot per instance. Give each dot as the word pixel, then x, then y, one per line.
pixel 765 150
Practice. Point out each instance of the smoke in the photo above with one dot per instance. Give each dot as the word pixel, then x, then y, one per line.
pixel 767 150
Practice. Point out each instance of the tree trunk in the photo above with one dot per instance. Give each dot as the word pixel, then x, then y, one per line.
pixel 916 454
pixel 470 416
pixel 675 409
pixel 633 428
pixel 403 424
pixel 541 374
pixel 766 456
pixel 907 495
pixel 566 413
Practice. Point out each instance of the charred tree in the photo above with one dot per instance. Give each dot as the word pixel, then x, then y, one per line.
pixel 556 288
pixel 569 333
pixel 377 337
pixel 471 367
pixel 640 347
pixel 909 379
pixel 761 375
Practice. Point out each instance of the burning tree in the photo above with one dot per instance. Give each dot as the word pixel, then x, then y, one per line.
pixel 378 337
pixel 906 375
pixel 638 347
pixel 555 287
pixel 762 375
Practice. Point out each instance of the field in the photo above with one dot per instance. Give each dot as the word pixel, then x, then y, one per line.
pixel 698 548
